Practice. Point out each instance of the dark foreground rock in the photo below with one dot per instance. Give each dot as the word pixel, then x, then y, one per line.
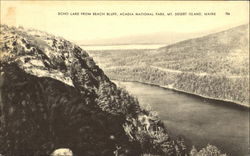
pixel 50 96
pixel 54 96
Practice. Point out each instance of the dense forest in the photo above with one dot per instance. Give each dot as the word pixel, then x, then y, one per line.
pixel 214 66
pixel 53 95
pixel 217 87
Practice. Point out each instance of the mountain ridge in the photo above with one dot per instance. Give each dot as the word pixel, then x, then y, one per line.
pixel 214 66
pixel 167 38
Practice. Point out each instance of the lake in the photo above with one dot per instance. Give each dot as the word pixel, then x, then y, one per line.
pixel 199 120
pixel 122 47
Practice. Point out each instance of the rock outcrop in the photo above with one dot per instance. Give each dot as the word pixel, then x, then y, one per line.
pixel 53 96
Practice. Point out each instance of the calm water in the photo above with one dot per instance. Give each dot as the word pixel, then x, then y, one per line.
pixel 123 47
pixel 199 120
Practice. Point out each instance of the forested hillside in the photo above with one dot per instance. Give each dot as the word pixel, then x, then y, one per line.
pixel 53 95
pixel 215 66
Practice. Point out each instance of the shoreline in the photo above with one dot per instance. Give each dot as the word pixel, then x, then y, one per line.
pixel 194 94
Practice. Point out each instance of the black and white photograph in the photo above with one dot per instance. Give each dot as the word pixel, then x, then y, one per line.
pixel 124 78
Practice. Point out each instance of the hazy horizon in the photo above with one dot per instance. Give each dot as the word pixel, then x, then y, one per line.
pixel 153 38
pixel 43 15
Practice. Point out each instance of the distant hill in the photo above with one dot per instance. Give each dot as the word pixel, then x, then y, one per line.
pixel 226 53
pixel 165 37
pixel 154 38
pixel 214 66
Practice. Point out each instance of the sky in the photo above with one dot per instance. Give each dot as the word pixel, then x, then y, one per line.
pixel 43 15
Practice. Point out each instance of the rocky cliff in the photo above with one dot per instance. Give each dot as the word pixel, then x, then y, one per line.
pixel 54 96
